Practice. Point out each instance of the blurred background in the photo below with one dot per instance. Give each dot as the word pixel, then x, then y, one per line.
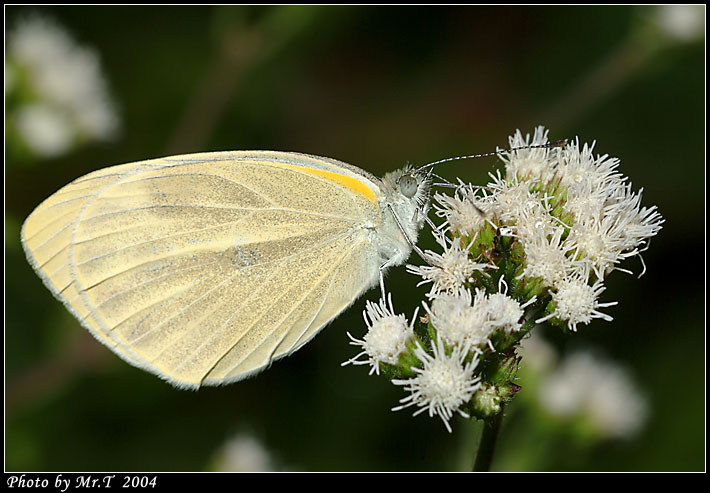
pixel 88 87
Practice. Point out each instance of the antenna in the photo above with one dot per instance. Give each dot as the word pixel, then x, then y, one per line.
pixel 557 143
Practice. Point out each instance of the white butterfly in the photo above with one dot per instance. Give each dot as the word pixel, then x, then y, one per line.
pixel 205 268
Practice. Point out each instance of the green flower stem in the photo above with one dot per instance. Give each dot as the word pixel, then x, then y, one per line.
pixel 487 445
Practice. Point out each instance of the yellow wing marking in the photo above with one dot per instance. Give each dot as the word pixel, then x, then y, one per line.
pixel 349 182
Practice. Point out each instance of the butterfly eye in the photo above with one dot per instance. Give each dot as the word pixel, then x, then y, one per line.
pixel 407 185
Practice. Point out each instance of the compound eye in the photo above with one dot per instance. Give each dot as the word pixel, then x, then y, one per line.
pixel 407 185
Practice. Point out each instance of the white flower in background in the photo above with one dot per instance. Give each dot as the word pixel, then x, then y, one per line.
pixel 69 101
pixel 244 453
pixel 681 22
pixel 536 353
pixel 444 384
pixel 46 129
pixel 386 337
pixel 594 388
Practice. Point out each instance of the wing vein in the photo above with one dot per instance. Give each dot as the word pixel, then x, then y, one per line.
pixel 308 326
pixel 229 278
pixel 186 334
pixel 281 209
pixel 295 306
pixel 173 175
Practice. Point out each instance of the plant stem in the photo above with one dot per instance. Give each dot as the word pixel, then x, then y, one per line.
pixel 487 445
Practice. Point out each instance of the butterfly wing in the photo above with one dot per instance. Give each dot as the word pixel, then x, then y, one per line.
pixel 204 268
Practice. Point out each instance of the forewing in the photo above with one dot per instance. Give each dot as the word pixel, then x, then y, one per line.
pixel 203 268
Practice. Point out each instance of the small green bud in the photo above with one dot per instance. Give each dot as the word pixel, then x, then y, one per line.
pixel 488 400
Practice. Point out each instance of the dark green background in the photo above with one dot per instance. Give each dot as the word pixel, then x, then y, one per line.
pixel 376 87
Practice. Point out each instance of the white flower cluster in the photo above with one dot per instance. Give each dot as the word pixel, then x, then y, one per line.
pixel 446 380
pixel 54 89
pixel 532 246
pixel 576 218
pixel 462 319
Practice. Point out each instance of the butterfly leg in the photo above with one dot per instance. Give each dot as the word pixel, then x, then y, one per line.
pixel 382 280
